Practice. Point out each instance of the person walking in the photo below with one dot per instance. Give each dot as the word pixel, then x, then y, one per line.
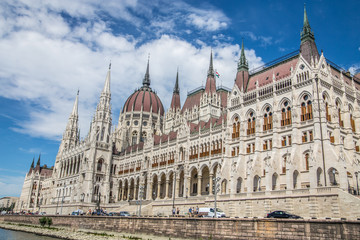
pixel 177 211
pixel 190 210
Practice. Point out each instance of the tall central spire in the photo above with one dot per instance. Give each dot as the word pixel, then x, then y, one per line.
pixel 107 81
pixel 306 31
pixel 74 112
pixel 146 81
pixel 211 67
pixel 242 65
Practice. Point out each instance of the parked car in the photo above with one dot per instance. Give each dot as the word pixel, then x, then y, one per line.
pixel 113 214
pixel 124 214
pixel 282 214
pixel 209 212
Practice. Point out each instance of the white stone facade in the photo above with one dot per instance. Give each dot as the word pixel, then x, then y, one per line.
pixel 284 136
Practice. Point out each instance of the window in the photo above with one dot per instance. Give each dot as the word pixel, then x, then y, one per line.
pixel 285 114
pixel 328 116
pixel 267 144
pixel 341 122
pixel 250 148
pixel 352 121
pixel 286 141
pixel 306 109
pixel 251 124
pixel 307 136
pixel 99 165
pixel 134 138
pixel 307 161
pixel 236 128
pixel 267 119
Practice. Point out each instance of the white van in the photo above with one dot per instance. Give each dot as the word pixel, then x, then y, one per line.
pixel 209 212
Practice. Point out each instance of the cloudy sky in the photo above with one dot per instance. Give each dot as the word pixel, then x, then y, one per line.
pixel 50 49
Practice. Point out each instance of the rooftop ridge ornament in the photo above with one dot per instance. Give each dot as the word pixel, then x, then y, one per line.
pixel 306 31
pixel 211 67
pixel 243 64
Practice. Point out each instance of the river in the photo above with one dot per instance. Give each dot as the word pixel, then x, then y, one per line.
pixel 16 235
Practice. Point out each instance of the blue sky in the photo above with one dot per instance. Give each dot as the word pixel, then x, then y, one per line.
pixel 50 49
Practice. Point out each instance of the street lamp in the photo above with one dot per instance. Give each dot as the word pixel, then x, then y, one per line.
pixel 357 182
pixel 334 171
pixel 216 190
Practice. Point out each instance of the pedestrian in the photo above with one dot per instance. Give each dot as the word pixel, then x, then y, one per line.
pixel 177 211
pixel 197 210
pixel 190 210
pixel 173 211
pixel 193 211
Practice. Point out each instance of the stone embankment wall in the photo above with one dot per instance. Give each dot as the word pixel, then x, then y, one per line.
pixel 202 228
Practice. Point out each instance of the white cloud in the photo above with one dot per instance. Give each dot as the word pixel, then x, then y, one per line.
pixel 205 22
pixel 44 68
pixel 265 41
pixel 11 185
pixel 354 69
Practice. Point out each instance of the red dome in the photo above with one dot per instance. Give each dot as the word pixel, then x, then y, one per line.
pixel 146 98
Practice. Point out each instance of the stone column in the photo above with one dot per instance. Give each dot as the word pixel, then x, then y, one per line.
pixel 177 187
pixel 210 184
pixel 158 190
pixel 199 185
pixel 188 186
pixel 122 192
pixel 149 191
pixel 166 189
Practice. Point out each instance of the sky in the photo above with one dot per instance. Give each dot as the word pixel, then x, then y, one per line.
pixel 51 49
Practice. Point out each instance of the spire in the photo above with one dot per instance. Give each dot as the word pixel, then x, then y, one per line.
pixel 32 164
pixel 75 107
pixel 308 47
pixel 38 161
pixel 242 65
pixel 211 67
pixel 175 101
pixel 306 31
pixel 176 88
pixel 107 81
pixel 146 81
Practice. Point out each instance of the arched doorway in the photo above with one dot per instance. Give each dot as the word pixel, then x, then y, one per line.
pixel 194 182
pixel 205 181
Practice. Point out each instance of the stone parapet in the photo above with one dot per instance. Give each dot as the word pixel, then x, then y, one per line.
pixel 205 228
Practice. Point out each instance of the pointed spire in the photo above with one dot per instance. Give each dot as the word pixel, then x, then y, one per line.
pixel 146 81
pixel 107 81
pixel 176 88
pixel 211 67
pixel 306 32
pixel 75 107
pixel 32 164
pixel 38 161
pixel 242 65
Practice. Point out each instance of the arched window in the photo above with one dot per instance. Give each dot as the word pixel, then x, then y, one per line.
pixel 284 165
pixel 251 124
pixel 338 107
pixel 274 181
pixel 144 136
pixel 328 116
pixel 134 138
pixel 352 121
pixel 285 114
pixel 307 161
pixel 257 184
pixel 295 179
pixel 99 165
pixel 238 185
pixel 306 108
pixel 236 128
pixel 267 119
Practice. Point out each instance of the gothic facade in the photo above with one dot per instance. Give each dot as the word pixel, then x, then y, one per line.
pixel 286 136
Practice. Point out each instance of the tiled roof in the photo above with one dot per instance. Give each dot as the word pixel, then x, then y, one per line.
pixel 210 86
pixel 175 101
pixel 146 98
pixel 192 100
pixel 280 71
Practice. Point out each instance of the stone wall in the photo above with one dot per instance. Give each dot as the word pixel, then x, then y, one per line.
pixel 229 228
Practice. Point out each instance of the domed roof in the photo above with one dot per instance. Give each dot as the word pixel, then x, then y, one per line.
pixel 144 98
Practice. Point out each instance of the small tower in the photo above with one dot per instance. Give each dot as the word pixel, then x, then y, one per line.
pixel 242 76
pixel 70 137
pixel 175 108
pixel 308 47
pixel 102 121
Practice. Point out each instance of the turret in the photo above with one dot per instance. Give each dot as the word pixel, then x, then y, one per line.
pixel 242 76
pixel 175 101
pixel 70 137
pixel 210 86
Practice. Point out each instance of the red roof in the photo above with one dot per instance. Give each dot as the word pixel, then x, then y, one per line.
pixel 210 86
pixel 192 100
pixel 146 98
pixel 175 102
pixel 265 77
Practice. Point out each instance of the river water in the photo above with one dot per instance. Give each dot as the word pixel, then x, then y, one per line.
pixel 16 235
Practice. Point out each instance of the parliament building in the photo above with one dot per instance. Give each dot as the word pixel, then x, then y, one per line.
pixel 284 137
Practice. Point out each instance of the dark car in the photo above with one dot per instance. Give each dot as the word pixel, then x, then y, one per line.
pixel 124 214
pixel 282 214
pixel 113 214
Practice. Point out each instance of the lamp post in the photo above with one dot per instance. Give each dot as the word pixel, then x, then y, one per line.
pixel 334 172
pixel 62 200
pixel 357 182
pixel 216 190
